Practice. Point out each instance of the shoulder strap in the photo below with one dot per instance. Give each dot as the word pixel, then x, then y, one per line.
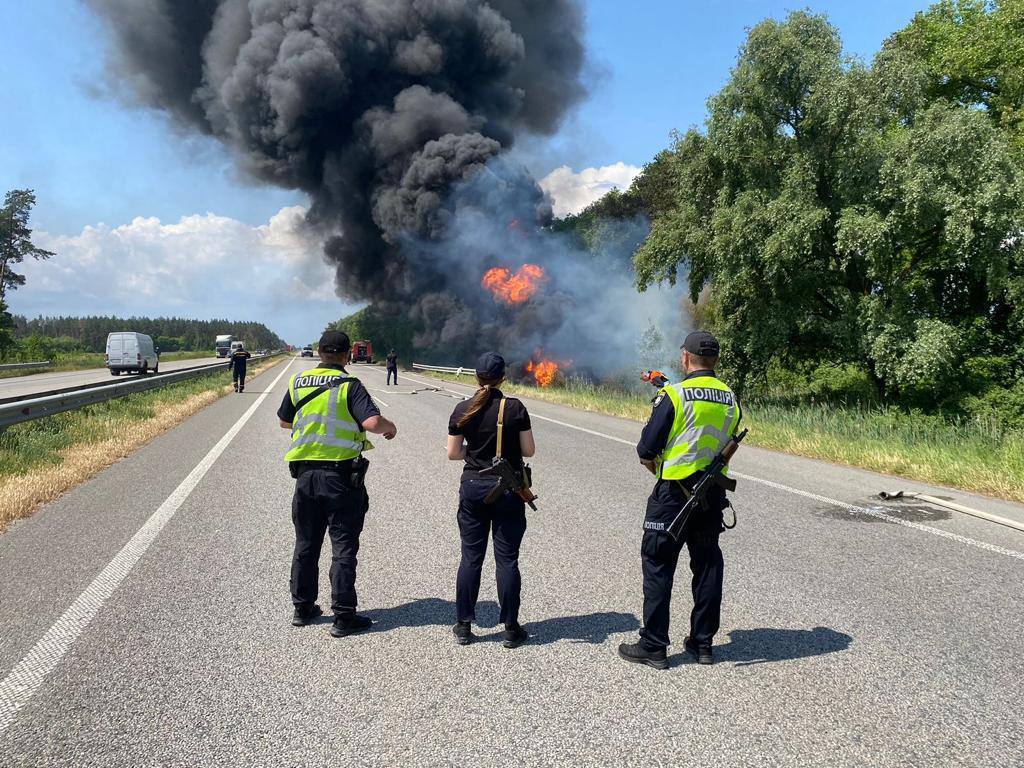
pixel 501 425
pixel 320 390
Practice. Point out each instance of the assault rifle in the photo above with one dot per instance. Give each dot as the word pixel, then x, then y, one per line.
pixel 508 480
pixel 712 474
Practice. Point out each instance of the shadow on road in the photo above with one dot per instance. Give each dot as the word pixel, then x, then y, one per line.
pixel 593 628
pixel 757 646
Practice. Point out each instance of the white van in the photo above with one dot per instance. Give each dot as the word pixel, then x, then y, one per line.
pixel 132 352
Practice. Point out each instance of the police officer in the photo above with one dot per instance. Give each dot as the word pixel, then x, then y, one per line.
pixel 690 423
pixel 392 366
pixel 238 363
pixel 473 437
pixel 329 413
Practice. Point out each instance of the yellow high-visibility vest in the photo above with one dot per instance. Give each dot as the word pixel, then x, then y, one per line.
pixel 706 416
pixel 324 428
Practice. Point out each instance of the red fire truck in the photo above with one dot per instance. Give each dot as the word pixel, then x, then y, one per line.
pixel 362 352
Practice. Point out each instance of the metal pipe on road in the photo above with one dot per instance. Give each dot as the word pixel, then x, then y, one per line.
pixel 892 495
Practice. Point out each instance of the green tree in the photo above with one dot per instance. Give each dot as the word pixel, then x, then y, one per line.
pixel 970 52
pixel 822 217
pixel 16 238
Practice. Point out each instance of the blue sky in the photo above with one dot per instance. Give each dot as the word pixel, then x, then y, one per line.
pixel 93 160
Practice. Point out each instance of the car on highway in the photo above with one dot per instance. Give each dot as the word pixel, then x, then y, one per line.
pixel 131 352
pixel 307 351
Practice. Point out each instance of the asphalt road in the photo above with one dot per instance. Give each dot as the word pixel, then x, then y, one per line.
pixel 19 386
pixel 145 615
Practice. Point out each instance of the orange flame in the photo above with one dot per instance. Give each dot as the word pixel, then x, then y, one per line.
pixel 513 288
pixel 544 371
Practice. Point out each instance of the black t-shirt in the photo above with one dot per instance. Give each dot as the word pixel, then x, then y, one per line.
pixel 392 361
pixel 481 432
pixel 360 404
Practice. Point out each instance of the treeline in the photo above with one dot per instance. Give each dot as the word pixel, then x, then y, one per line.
pixel 853 231
pixel 171 334
pixel 385 331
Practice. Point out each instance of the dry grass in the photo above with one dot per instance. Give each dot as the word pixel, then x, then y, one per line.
pixel 44 460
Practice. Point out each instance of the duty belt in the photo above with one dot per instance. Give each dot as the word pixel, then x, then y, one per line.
pixel 337 466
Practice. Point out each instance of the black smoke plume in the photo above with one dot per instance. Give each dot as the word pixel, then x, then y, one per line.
pixel 393 115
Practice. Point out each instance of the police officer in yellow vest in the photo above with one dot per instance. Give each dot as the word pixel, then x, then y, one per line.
pixel 690 423
pixel 329 413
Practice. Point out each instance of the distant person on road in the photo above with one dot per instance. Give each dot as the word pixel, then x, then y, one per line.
pixel 392 365
pixel 237 362
pixel 691 421
pixel 473 432
pixel 329 413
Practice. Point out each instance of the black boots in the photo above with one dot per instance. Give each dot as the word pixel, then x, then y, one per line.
pixel 702 653
pixel 463 632
pixel 348 624
pixel 304 614
pixel 637 654
pixel 515 636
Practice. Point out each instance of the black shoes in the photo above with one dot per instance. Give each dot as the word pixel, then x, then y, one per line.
pixel 515 636
pixel 236 386
pixel 637 654
pixel 304 614
pixel 702 653
pixel 349 624
pixel 463 632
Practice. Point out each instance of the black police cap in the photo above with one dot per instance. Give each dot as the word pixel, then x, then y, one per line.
pixel 335 341
pixel 490 365
pixel 702 343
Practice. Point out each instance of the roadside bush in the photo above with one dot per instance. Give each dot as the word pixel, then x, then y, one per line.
pixel 1002 405
pixel 842 383
pixel 923 366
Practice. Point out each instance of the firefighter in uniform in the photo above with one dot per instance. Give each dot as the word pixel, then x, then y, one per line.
pixel 690 423
pixel 329 414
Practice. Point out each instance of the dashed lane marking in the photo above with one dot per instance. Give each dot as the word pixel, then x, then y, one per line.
pixel 25 678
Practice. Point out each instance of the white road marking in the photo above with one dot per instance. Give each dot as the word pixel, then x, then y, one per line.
pixel 631 443
pixel 377 399
pixel 872 512
pixel 25 678
pixel 881 515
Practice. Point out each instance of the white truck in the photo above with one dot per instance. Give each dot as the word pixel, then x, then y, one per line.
pixel 131 352
pixel 222 345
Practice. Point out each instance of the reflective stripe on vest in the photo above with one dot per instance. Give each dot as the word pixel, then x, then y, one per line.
pixel 706 416
pixel 323 429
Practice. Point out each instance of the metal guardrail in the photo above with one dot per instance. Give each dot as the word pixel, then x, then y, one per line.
pixel 36 407
pixel 21 366
pixel 467 370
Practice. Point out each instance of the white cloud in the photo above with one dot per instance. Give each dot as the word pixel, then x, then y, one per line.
pixel 204 266
pixel 572 191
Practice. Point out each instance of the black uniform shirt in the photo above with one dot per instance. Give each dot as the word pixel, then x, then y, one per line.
pixel 392 361
pixel 360 404
pixel 237 361
pixel 481 432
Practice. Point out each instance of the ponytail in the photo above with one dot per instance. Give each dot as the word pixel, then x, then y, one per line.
pixel 479 400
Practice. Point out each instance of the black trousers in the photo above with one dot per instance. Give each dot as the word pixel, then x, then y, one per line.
pixel 392 372
pixel 505 521
pixel 324 503
pixel 659 555
pixel 238 376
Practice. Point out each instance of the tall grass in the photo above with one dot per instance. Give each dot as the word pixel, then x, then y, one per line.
pixel 976 455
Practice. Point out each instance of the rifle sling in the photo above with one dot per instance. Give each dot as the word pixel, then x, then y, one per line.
pixel 501 426
pixel 319 391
